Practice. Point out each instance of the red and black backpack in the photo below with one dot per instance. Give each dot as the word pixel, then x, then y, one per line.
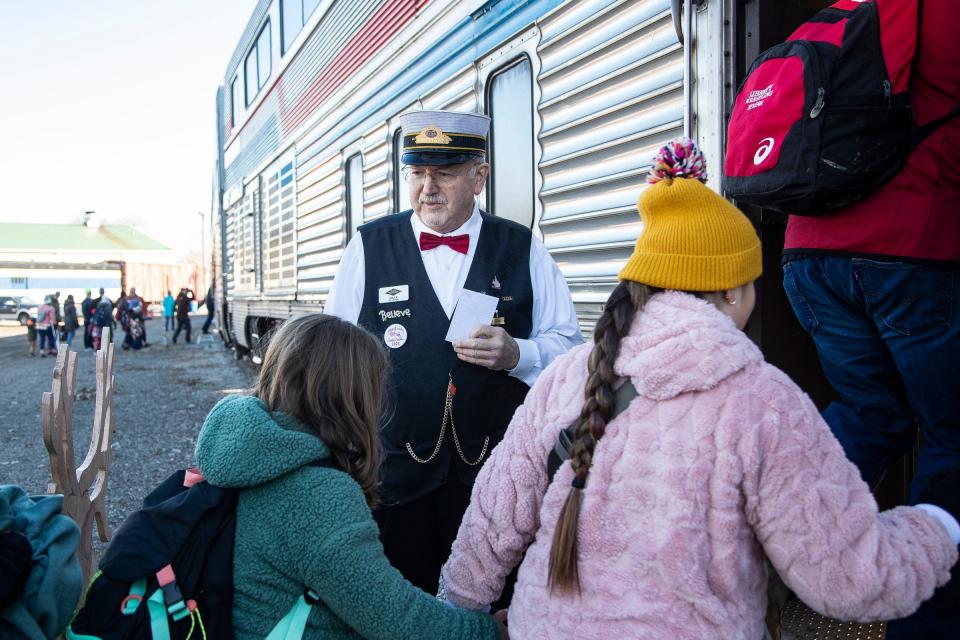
pixel 824 119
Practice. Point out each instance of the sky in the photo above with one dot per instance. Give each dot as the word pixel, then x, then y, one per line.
pixel 110 105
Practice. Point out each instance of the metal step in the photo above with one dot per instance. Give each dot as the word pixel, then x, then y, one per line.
pixel 799 622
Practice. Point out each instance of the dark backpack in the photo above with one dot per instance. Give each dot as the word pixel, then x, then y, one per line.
pixel 103 316
pixel 823 119
pixel 168 573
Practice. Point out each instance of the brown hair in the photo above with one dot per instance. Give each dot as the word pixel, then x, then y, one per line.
pixel 330 375
pixel 623 304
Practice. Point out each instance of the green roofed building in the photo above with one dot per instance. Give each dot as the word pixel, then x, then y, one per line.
pixel 20 240
pixel 38 259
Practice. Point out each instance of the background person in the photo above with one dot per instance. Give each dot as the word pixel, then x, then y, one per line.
pixel 134 335
pixel 32 337
pixel 659 525
pixel 58 322
pixel 877 286
pixel 168 305
pixel 46 321
pixel 182 310
pixel 400 278
pixel 102 318
pixel 87 307
pixel 209 301
pixel 134 299
pixel 70 321
pixel 301 523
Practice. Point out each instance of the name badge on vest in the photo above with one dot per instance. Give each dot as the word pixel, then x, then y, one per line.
pixel 396 293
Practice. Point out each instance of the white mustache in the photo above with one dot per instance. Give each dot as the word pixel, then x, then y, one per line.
pixel 437 199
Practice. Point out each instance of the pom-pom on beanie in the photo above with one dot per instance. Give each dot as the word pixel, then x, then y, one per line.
pixel 692 239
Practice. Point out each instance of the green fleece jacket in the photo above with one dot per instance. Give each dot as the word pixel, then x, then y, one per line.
pixel 301 525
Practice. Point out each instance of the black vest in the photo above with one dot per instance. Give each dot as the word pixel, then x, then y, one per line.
pixel 484 400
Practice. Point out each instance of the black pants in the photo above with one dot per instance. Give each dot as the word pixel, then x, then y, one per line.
pixel 182 323
pixel 417 536
pixel 87 336
pixel 206 325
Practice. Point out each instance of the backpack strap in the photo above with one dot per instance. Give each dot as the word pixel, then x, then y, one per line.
pixel 292 625
pixel 159 627
pixel 561 449
pixel 921 133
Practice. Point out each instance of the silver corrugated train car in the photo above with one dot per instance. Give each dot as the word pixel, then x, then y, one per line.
pixel 581 92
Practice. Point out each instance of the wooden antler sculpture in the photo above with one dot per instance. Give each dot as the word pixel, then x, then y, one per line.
pixel 84 489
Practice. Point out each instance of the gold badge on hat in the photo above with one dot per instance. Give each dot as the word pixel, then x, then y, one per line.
pixel 432 135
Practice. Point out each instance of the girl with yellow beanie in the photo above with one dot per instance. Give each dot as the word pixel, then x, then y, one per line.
pixel 659 524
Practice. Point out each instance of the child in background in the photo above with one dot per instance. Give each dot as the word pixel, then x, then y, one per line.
pixel 32 336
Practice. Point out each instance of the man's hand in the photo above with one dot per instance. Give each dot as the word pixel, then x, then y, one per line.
pixel 490 347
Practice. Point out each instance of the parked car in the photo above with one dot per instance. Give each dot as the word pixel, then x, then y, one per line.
pixel 17 308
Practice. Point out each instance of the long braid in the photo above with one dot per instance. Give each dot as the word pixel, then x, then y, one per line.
pixel 625 300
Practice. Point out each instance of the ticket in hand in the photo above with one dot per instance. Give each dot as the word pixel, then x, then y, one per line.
pixel 472 309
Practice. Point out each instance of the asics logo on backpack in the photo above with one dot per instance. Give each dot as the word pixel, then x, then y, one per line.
pixel 766 146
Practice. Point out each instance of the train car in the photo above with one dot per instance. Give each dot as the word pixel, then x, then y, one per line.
pixel 581 93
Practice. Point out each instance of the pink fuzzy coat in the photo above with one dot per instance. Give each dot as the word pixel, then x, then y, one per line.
pixel 720 461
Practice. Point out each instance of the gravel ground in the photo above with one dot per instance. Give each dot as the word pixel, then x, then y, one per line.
pixel 161 396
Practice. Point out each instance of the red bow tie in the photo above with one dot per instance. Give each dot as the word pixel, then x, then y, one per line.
pixel 457 243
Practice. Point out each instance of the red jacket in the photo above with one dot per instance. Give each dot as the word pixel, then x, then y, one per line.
pixel 917 214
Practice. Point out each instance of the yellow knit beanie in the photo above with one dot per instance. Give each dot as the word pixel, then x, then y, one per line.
pixel 692 239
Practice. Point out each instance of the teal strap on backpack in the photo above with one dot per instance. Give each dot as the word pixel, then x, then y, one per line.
pixel 159 629
pixel 292 625
pixel 131 603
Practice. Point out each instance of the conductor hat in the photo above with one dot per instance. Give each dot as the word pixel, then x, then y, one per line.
pixel 443 137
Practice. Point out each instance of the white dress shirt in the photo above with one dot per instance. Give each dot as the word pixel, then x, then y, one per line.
pixel 555 329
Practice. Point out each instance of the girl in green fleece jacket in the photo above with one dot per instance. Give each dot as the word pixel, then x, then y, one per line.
pixel 302 525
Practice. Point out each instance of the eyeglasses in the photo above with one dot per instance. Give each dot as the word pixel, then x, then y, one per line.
pixel 441 177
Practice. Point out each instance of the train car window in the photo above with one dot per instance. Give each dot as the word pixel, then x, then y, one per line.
pixel 235 101
pixel 278 229
pixel 293 15
pixel 510 104
pixel 264 57
pixel 354 194
pixel 257 65
pixel 400 202
pixel 291 21
pixel 308 7
pixel 250 75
